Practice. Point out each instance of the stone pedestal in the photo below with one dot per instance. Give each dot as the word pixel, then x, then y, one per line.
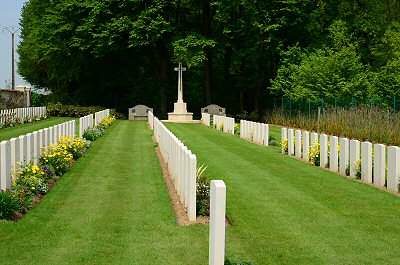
pixel 180 113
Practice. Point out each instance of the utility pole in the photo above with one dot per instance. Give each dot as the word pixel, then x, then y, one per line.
pixel 12 31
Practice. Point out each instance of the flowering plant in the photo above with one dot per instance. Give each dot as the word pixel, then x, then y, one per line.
pixel 285 145
pixel 314 154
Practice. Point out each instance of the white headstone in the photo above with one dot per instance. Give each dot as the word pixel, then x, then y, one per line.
pixel 298 144
pixel 323 151
pixel 379 165
pixel 5 162
pixel 354 156
pixel 366 162
pixel 333 154
pixel 306 146
pixel 393 168
pixel 217 222
pixel 344 155
pixel 291 142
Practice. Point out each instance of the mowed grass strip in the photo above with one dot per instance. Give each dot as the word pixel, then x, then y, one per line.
pixel 21 129
pixel 112 207
pixel 284 211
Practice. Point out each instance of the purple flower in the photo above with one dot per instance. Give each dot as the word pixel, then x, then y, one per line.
pixel 48 171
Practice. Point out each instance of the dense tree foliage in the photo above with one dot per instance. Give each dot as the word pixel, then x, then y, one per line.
pixel 239 52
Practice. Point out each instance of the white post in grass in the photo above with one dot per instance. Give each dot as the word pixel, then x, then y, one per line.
pixel 14 151
pixel 313 138
pixel 323 151
pixel 393 168
pixel 379 165
pixel 35 147
pixel 366 162
pixel 291 142
pixel 192 188
pixel 217 222
pixel 283 137
pixel 22 149
pixel 5 162
pixel 266 134
pixel 298 144
pixel 306 146
pixel 344 155
pixel 333 154
pixel 354 156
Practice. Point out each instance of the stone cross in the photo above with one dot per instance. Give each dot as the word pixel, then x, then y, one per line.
pixel 180 69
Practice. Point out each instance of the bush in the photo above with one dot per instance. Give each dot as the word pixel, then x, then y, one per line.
pixel 202 193
pixel 56 157
pixel 285 145
pixel 314 154
pixel 8 205
pixel 61 110
pixel 272 141
pixel 93 133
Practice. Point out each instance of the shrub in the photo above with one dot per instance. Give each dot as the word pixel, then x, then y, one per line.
pixel 92 133
pixel 357 168
pixel 285 144
pixel 237 128
pixel 8 205
pixel 72 145
pixel 106 122
pixel 272 141
pixel 61 110
pixel 56 157
pixel 314 154
pixel 32 178
pixel 202 192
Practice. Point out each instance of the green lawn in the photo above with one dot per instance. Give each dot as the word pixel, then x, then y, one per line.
pixel 21 129
pixel 284 211
pixel 112 207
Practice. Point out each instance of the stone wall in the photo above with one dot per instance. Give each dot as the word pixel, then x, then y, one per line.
pixel 10 99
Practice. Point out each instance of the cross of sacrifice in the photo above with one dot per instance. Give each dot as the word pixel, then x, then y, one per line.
pixel 180 69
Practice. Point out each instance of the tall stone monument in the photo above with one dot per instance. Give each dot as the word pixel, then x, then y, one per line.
pixel 180 113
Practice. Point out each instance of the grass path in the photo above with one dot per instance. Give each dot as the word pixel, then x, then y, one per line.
pixel 284 211
pixel 21 129
pixel 112 207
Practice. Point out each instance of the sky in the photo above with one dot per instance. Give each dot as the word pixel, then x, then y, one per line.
pixel 10 14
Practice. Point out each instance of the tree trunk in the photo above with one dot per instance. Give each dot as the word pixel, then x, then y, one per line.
pixel 207 66
pixel 256 99
pixel 164 78
pixel 241 100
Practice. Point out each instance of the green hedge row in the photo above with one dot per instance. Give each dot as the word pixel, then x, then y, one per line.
pixel 60 110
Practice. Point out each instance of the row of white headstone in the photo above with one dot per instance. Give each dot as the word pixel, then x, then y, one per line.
pixel 206 119
pixel 100 115
pixel 22 113
pixel 182 166
pixel 181 163
pixel 345 154
pixel 28 148
pixel 223 123
pixel 84 123
pixel 150 119
pixel 254 131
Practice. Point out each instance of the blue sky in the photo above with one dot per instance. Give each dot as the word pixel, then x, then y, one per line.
pixel 10 14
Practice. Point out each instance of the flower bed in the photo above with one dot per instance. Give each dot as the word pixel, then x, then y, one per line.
pixel 14 122
pixel 93 133
pixel 31 181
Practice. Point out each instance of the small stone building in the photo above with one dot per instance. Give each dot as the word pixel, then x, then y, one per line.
pixel 214 109
pixel 18 98
pixel 139 112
